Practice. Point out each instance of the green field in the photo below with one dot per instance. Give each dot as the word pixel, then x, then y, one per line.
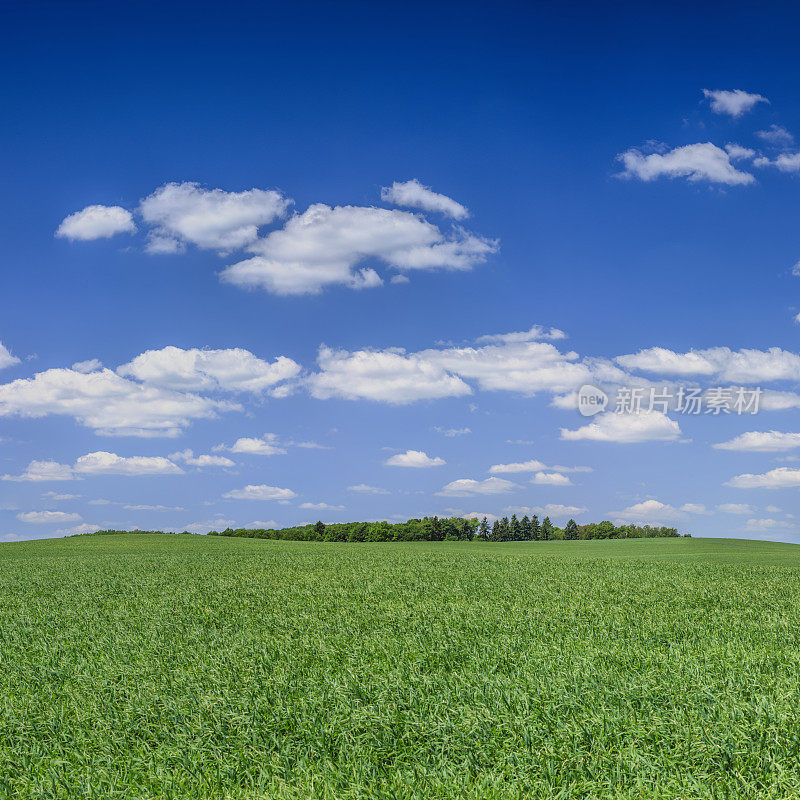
pixel 186 666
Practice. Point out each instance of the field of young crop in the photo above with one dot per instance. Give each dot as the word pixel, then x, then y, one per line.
pixel 184 666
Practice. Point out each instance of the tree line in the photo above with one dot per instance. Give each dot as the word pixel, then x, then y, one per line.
pixel 435 529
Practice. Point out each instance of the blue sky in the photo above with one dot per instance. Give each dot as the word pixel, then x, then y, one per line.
pixel 279 238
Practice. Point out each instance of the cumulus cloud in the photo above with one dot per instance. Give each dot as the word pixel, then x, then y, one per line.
pixel 779 478
pixel 363 488
pixel 776 136
pixel 703 161
pixel 735 508
pixel 320 507
pixel 414 458
pixel 551 479
pixel 694 508
pixel 96 222
pixel 721 363
pixel 733 102
pixel 468 487
pixel 650 510
pixel 253 445
pixel 91 365
pixel 48 517
pixel 647 426
pixel 6 359
pixel 412 194
pixel 325 246
pixel 389 376
pixel 39 471
pixel 762 442
pixel 766 524
pixel 105 463
pixel 84 527
pixel 106 402
pixel 737 152
pixel 230 370
pixel 188 457
pixel 785 162
pixel 213 219
pixel 519 466
pixel 261 492
pixel 535 332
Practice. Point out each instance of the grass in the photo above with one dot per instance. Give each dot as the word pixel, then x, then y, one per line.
pixel 184 666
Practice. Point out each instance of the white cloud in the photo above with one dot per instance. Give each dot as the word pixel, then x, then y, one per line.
pixel 646 426
pixel 738 366
pixel 389 376
pixel 188 457
pixel 6 359
pixel 531 335
pixel 519 466
pixel 38 471
pixel 84 527
pixel 217 524
pixel 776 136
pixel 766 524
pixel 412 194
pixel 84 367
pixel 324 246
pixel 736 151
pixel 46 517
pixel 105 463
pixel 696 162
pixel 762 442
pixel 651 510
pixel 451 433
pixel 60 496
pixel 733 102
pixel 262 492
pixel 414 458
pixel 96 222
pixel 694 508
pixel 106 402
pixel 551 479
pixel 320 507
pixel 467 487
pixel 779 478
pixel 231 370
pixel 735 508
pixel 773 510
pixel 252 445
pixel 363 488
pixel 186 213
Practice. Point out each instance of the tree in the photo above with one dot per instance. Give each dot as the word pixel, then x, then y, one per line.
pixel 505 530
pixel 526 532
pixel 319 531
pixel 465 534
pixel 571 530
pixel 483 530
pixel 547 529
pixel 515 532
pixel 536 531
pixel 496 532
pixel 437 534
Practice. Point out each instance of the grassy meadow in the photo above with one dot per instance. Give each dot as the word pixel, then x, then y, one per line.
pixel 172 666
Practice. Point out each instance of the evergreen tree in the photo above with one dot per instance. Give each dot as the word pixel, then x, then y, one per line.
pixel 437 534
pixel 505 530
pixel 515 531
pixel 319 531
pixel 525 529
pixel 465 534
pixel 547 529
pixel 483 530
pixel 496 532
pixel 536 531
pixel 571 530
